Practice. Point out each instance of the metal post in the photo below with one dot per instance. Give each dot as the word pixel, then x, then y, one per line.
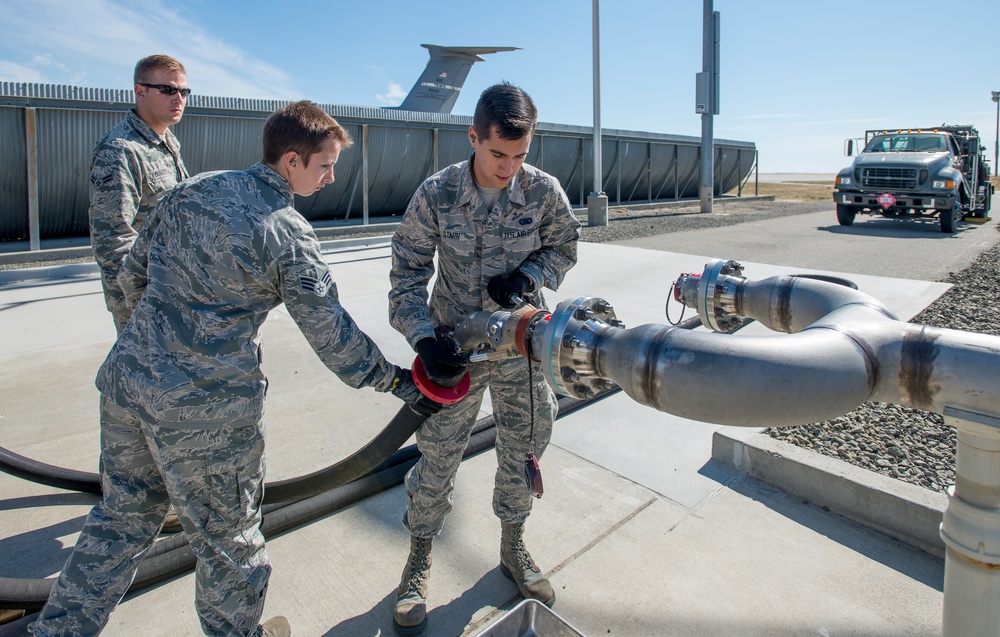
pixel 649 172
pixel 597 202
pixel 971 528
pixel 435 151
pixel 31 145
pixel 996 140
pixel 364 173
pixel 618 151
pixel 709 75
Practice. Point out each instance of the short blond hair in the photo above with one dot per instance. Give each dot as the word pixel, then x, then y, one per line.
pixel 145 66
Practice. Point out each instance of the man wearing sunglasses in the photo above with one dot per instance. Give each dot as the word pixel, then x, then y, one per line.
pixel 132 167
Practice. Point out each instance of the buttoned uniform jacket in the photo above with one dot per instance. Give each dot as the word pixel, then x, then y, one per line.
pixel 218 253
pixel 530 228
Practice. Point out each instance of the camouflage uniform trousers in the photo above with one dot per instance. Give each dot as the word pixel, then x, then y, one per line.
pixel 214 478
pixel 443 438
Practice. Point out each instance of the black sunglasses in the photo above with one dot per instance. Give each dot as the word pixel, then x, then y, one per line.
pixel 166 89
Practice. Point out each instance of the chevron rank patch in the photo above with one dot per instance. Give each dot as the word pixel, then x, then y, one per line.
pixel 319 287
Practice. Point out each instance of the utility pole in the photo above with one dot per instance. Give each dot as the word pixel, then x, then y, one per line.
pixel 707 102
pixel 996 140
pixel 597 202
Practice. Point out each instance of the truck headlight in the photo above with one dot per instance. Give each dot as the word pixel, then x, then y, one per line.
pixel 843 181
pixel 943 184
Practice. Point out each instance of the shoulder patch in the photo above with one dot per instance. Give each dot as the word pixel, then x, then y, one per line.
pixel 319 287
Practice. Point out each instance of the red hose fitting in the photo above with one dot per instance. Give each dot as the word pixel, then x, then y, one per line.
pixel 437 393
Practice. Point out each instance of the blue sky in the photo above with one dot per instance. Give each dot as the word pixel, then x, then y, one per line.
pixel 797 77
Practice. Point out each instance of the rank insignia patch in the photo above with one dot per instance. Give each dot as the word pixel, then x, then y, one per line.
pixel 317 286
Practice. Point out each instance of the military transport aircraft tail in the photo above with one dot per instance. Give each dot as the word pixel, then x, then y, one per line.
pixel 438 86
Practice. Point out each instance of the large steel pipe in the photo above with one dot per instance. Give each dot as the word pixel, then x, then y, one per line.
pixel 843 348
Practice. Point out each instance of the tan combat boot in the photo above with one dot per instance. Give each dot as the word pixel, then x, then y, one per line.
pixel 517 565
pixel 410 614
pixel 277 626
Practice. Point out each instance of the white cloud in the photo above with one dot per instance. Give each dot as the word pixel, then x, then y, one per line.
pixel 102 40
pixel 393 96
pixel 14 72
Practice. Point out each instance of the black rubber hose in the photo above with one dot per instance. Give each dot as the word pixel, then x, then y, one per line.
pixel 172 556
pixel 47 474
pixel 363 461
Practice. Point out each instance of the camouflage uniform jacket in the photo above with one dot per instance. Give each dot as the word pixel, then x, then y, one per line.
pixel 531 227
pixel 218 253
pixel 130 170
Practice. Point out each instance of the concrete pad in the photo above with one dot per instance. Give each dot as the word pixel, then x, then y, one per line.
pixel 902 510
pixel 754 562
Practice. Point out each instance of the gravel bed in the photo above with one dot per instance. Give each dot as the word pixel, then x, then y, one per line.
pixel 625 223
pixel 911 445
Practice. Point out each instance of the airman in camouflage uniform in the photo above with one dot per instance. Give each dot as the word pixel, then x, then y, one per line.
pixel 132 167
pixel 182 392
pixel 498 226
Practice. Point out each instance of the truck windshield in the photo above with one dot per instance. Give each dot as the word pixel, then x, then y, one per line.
pixel 907 143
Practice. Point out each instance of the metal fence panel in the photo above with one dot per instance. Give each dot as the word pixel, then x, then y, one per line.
pixel 220 133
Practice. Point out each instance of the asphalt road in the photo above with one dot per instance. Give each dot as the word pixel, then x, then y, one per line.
pixel 901 248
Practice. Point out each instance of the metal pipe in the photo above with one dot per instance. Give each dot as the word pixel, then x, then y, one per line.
pixel 843 348
pixel 598 146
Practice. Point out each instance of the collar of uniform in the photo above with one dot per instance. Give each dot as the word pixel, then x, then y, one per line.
pixel 467 186
pixel 271 177
pixel 146 130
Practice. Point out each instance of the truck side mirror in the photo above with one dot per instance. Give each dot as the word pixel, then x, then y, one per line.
pixel 848 147
pixel 974 146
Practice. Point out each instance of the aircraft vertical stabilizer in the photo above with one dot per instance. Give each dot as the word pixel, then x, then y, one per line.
pixel 438 86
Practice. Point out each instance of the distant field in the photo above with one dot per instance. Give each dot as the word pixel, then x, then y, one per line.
pixel 797 190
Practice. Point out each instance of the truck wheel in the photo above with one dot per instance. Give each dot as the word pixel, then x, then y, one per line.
pixel 845 214
pixel 948 221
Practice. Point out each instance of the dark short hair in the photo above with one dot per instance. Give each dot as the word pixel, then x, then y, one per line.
pixel 508 108
pixel 151 63
pixel 303 127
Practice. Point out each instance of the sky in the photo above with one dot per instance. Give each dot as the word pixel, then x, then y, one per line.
pixel 797 77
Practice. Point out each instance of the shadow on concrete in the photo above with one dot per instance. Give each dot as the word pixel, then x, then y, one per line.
pixel 900 557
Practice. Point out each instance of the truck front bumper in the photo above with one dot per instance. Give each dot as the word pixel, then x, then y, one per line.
pixel 904 201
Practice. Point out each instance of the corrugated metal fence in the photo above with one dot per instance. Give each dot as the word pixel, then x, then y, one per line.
pixel 49 131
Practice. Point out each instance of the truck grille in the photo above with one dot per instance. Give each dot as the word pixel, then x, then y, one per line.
pixel 889 178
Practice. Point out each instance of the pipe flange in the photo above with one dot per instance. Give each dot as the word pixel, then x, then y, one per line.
pixel 716 295
pixel 564 342
pixel 971 531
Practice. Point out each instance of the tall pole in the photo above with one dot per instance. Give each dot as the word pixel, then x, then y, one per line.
pixel 707 100
pixel 597 202
pixel 996 140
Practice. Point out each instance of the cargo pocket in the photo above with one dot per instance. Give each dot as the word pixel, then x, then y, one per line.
pixel 234 485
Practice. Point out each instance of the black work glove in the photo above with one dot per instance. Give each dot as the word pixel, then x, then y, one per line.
pixel 404 389
pixel 441 360
pixel 501 287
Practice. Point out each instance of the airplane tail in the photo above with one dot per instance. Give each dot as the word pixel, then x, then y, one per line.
pixel 438 86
